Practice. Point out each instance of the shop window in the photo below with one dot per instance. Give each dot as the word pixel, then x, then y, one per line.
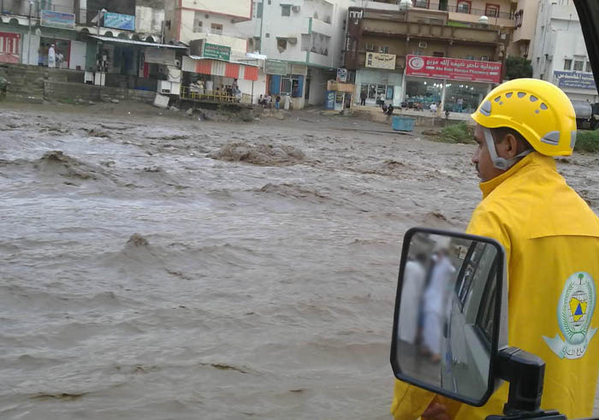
pixel 285 10
pixel 281 44
pixel 469 57
pixel 438 54
pixel 384 50
pixel 567 64
pixel 485 58
pixel 286 85
pixel 578 65
pixel 464 6
pixel 216 28
pixel 197 23
pixel 492 10
pixel 589 69
pixel 369 47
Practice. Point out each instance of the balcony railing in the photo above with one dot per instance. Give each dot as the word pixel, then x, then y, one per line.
pixel 463 8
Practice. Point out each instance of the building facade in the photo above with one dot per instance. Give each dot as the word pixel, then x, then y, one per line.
pixel 218 58
pixel 451 37
pixel 302 41
pixel 560 54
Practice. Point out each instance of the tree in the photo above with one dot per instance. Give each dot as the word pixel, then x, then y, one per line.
pixel 517 68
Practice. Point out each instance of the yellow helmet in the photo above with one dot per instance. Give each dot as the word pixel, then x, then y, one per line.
pixel 538 110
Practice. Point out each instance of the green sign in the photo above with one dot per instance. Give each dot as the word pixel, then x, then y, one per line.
pixel 218 52
pixel 276 67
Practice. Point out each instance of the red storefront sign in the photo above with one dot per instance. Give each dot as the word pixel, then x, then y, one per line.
pixel 9 47
pixel 453 69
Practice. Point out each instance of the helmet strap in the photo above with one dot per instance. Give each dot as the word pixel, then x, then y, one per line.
pixel 499 162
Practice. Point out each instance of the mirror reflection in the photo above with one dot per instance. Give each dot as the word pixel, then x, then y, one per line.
pixel 446 313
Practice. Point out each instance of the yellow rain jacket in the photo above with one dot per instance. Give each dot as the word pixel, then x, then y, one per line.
pixel 551 239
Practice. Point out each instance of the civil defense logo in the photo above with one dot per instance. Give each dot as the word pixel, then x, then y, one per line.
pixel 574 314
pixel 416 63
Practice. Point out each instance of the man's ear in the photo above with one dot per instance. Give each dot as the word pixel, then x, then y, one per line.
pixel 510 146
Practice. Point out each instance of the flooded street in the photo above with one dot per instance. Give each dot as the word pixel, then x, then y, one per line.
pixel 170 268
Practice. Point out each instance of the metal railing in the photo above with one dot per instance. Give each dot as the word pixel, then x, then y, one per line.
pixel 198 94
pixel 491 13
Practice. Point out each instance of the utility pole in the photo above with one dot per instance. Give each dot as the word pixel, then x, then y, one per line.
pixel 29 36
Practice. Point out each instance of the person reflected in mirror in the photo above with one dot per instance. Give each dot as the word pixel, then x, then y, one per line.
pixel 551 241
pixel 411 297
pixel 433 301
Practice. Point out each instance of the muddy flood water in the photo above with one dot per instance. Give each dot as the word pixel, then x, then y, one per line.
pixel 167 268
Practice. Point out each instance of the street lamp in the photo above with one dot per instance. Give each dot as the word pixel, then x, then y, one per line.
pixel 31 2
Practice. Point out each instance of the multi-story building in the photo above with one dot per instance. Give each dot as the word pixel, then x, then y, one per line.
pixel 525 15
pixel 302 41
pixel 218 53
pixel 559 54
pixel 461 44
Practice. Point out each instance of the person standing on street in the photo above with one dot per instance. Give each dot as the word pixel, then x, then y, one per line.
pixel 551 240
pixel 460 104
pixel 51 57
pixel 363 98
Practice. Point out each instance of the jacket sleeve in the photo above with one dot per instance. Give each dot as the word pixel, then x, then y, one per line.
pixel 409 401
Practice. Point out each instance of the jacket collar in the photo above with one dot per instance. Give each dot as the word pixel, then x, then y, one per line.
pixel 529 161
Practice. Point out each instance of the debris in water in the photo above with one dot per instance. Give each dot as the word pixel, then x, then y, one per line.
pixel 137 240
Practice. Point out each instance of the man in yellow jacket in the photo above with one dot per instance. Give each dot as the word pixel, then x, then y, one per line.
pixel 551 238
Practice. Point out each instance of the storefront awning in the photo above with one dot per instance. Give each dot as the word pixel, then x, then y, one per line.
pixel 233 69
pixel 140 43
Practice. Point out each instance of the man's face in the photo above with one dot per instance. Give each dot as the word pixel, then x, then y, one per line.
pixel 482 158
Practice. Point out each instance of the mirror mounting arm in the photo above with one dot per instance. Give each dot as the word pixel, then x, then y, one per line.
pixel 525 372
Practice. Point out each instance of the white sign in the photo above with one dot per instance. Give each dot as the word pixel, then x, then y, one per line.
pixel 380 60
pixel 160 56
pixel 342 75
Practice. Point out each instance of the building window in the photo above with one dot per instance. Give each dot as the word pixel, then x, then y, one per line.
pixel 518 15
pixel 589 68
pixel 567 64
pixel 422 4
pixel 384 50
pixel 578 65
pixel 197 23
pixel 484 58
pixel 492 10
pixel 267 35
pixel 259 11
pixel 281 44
pixel 285 10
pixel 216 28
pixel 438 54
pixel 464 6
pixel 369 47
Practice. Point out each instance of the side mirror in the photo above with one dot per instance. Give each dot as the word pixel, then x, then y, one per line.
pixel 446 328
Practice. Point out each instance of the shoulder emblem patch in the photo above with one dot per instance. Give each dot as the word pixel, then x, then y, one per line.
pixel 574 314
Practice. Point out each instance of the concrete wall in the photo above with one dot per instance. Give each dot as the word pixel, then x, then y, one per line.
pixel 237 8
pixel 62 91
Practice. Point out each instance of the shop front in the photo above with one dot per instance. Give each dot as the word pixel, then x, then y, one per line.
pixel 378 82
pixel 286 80
pixel 10 47
pixel 454 85
pixel 217 80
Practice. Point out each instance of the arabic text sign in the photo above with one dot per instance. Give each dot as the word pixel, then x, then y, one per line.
pixel 453 69
pixel 58 20
pixel 575 79
pixel 118 21
pixel 217 52
pixel 380 61
pixel 276 67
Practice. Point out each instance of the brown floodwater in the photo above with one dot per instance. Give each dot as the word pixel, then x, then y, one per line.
pixel 170 268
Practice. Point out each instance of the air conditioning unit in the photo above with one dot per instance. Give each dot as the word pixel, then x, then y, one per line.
pixel 422 45
pixel 296 9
